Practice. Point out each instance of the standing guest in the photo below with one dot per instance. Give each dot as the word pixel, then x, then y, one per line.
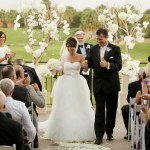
pixel 84 49
pixel 133 88
pixel 31 71
pixel 106 60
pixel 10 130
pixel 17 109
pixel 20 93
pixel 5 54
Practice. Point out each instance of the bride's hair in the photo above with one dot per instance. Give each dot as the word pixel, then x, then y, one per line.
pixel 72 42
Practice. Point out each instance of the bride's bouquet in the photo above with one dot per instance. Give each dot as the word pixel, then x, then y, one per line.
pixel 53 66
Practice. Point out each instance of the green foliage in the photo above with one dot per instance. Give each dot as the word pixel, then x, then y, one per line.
pixel 17 40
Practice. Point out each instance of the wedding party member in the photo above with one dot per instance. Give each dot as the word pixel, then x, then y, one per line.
pixel 31 71
pixel 84 49
pixel 133 88
pixel 17 109
pixel 72 116
pixel 10 130
pixel 5 54
pixel 106 60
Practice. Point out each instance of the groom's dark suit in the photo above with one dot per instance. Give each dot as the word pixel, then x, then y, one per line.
pixel 106 86
pixel 87 77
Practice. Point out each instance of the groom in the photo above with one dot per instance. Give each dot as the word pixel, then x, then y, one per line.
pixel 106 60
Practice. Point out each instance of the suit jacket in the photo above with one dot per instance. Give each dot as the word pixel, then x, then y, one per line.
pixel 33 75
pixel 106 80
pixel 133 88
pixel 87 55
pixel 10 132
pixel 21 94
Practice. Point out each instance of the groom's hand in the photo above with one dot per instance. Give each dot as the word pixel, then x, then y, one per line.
pixel 104 63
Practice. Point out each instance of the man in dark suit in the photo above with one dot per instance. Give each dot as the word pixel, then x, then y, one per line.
pixel 106 60
pixel 133 88
pixel 10 130
pixel 84 49
pixel 20 93
pixel 31 71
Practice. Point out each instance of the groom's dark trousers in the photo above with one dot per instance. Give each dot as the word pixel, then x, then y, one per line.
pixel 106 86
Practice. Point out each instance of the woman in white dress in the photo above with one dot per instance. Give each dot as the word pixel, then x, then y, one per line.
pixel 72 116
pixel 5 54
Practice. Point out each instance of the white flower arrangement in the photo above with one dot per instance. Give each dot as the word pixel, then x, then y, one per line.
pixel 127 20
pixel 53 65
pixel 130 67
pixel 108 20
pixel 48 21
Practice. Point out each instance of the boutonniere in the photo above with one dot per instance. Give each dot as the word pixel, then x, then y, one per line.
pixel 108 49
pixel 88 46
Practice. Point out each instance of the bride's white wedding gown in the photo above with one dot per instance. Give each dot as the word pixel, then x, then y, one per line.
pixel 72 116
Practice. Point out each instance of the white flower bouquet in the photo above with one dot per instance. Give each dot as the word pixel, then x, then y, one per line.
pixel 54 65
pixel 130 67
pixel 6 50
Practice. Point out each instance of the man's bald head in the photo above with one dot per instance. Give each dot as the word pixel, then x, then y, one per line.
pixel 2 101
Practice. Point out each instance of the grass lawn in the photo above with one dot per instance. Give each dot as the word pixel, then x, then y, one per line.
pixel 17 40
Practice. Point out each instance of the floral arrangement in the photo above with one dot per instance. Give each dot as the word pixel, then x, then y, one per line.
pixel 129 67
pixel 53 65
pixel 48 20
pixel 128 21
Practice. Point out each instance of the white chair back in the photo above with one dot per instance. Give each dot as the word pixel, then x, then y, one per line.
pixel 5 147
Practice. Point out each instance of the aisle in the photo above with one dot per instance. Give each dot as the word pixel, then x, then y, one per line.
pixel 117 144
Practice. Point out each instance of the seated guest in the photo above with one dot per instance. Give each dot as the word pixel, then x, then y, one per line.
pixel 20 93
pixel 10 130
pixel 31 71
pixel 35 93
pixel 17 109
pixel 146 81
pixel 133 88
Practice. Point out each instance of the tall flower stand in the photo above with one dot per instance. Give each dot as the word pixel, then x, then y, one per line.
pixel 122 99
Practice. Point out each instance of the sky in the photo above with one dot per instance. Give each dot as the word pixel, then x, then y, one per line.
pixel 77 4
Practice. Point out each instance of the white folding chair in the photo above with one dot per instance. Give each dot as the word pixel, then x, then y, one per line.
pixel 5 147
pixel 31 115
pixel 137 109
pixel 142 132
pixel 130 123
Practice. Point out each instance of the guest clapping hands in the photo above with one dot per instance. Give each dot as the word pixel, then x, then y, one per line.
pixel 5 54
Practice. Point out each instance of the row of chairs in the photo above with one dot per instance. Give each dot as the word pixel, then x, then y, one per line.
pixel 5 147
pixel 136 127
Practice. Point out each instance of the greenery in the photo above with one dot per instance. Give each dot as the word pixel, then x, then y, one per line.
pixel 17 40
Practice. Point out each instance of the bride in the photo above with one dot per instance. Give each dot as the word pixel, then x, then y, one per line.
pixel 72 116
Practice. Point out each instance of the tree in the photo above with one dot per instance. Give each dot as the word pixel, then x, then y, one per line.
pixel 2 18
pixel 10 17
pixel 69 14
pixel 147 11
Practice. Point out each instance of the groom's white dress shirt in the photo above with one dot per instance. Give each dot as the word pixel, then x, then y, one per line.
pixel 102 53
pixel 19 113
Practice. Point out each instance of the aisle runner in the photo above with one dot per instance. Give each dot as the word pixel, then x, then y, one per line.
pixel 80 146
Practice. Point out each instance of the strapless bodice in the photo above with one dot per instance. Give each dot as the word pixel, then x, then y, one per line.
pixel 72 68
